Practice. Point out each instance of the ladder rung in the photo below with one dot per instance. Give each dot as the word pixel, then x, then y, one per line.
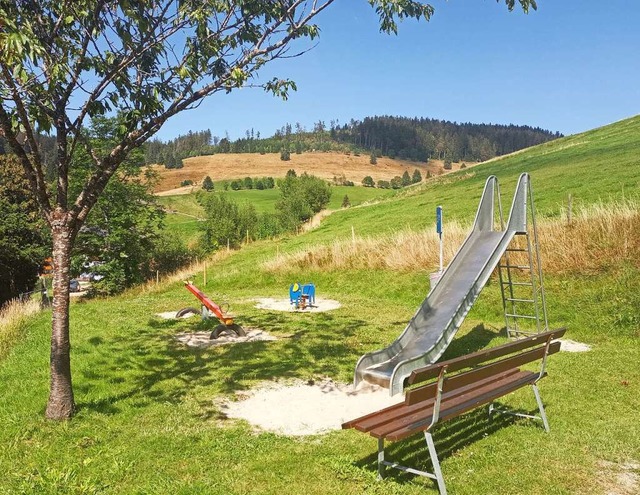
pixel 521 316
pixel 518 283
pixel 519 267
pixel 519 300
pixel 518 250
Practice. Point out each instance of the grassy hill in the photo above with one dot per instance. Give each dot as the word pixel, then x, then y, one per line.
pixel 183 210
pixel 149 420
pixel 227 166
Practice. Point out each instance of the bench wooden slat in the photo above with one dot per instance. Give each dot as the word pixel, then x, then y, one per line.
pixel 458 407
pixel 448 400
pixel 425 392
pixel 456 364
pixel 393 413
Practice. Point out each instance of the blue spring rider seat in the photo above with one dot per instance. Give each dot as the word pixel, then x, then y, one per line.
pixel 302 296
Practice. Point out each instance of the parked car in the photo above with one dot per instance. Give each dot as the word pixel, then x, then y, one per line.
pixel 74 285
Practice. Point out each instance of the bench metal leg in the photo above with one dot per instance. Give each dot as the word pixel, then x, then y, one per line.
pixel 381 458
pixel 436 463
pixel 436 475
pixel 543 415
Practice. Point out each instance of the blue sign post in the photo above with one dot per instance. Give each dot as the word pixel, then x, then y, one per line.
pixel 439 230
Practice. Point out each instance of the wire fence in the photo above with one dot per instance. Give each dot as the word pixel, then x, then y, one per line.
pixel 41 295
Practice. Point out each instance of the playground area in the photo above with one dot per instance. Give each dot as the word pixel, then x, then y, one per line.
pixel 164 407
pixel 315 406
pixel 273 304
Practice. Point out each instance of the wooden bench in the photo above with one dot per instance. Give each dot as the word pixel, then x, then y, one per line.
pixel 449 389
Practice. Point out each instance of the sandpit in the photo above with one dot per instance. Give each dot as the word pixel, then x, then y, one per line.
pixel 172 315
pixel 202 339
pixel 307 408
pixel 573 346
pixel 319 306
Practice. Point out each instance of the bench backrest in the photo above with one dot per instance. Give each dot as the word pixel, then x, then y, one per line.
pixel 519 352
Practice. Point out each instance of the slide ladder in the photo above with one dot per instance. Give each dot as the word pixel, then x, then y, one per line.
pixel 432 328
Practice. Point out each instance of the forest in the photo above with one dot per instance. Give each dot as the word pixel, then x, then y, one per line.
pixel 414 139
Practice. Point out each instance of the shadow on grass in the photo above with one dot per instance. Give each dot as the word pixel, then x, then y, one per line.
pixel 449 438
pixel 478 338
pixel 149 364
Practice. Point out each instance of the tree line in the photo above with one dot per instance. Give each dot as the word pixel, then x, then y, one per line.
pixel 421 139
pixel 415 139
pixel 229 224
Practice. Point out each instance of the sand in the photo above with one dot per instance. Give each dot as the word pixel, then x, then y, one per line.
pixel 319 306
pixel 307 408
pixel 171 315
pixel 567 345
pixel 202 340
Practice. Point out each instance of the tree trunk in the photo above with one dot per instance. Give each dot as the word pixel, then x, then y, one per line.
pixel 61 404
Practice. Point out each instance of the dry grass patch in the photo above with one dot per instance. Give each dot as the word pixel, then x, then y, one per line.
pixel 598 236
pixel 185 273
pixel 619 479
pixel 13 317
pixel 227 166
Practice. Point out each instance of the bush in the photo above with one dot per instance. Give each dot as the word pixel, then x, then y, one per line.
pixel 373 160
pixel 186 182
pixel 345 202
pixel 285 155
pixel 113 281
pixel 226 222
pixel 170 254
pixel 396 182
pixel 268 226
pixel 406 180
pixel 236 185
pixel 447 164
pixel 463 165
pixel 301 198
pixel 248 183
pixel 368 181
pixel 384 184
pixel 416 177
pixel 207 184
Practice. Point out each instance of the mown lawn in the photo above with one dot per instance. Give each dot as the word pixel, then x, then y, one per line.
pixel 149 417
pixel 149 420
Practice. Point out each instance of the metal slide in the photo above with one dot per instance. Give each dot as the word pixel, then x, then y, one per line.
pixel 435 323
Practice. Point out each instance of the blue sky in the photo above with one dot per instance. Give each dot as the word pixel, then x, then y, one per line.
pixel 570 66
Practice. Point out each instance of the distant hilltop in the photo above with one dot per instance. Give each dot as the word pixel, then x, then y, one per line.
pixel 411 139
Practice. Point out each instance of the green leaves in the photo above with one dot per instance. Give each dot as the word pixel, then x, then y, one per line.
pixel 525 4
pixel 389 11
pixel 280 87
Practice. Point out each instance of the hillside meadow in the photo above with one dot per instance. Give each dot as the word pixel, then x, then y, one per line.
pixel 184 212
pixel 150 418
pixel 228 166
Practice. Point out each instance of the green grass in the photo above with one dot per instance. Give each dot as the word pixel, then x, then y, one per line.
pixel 185 210
pixel 149 419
